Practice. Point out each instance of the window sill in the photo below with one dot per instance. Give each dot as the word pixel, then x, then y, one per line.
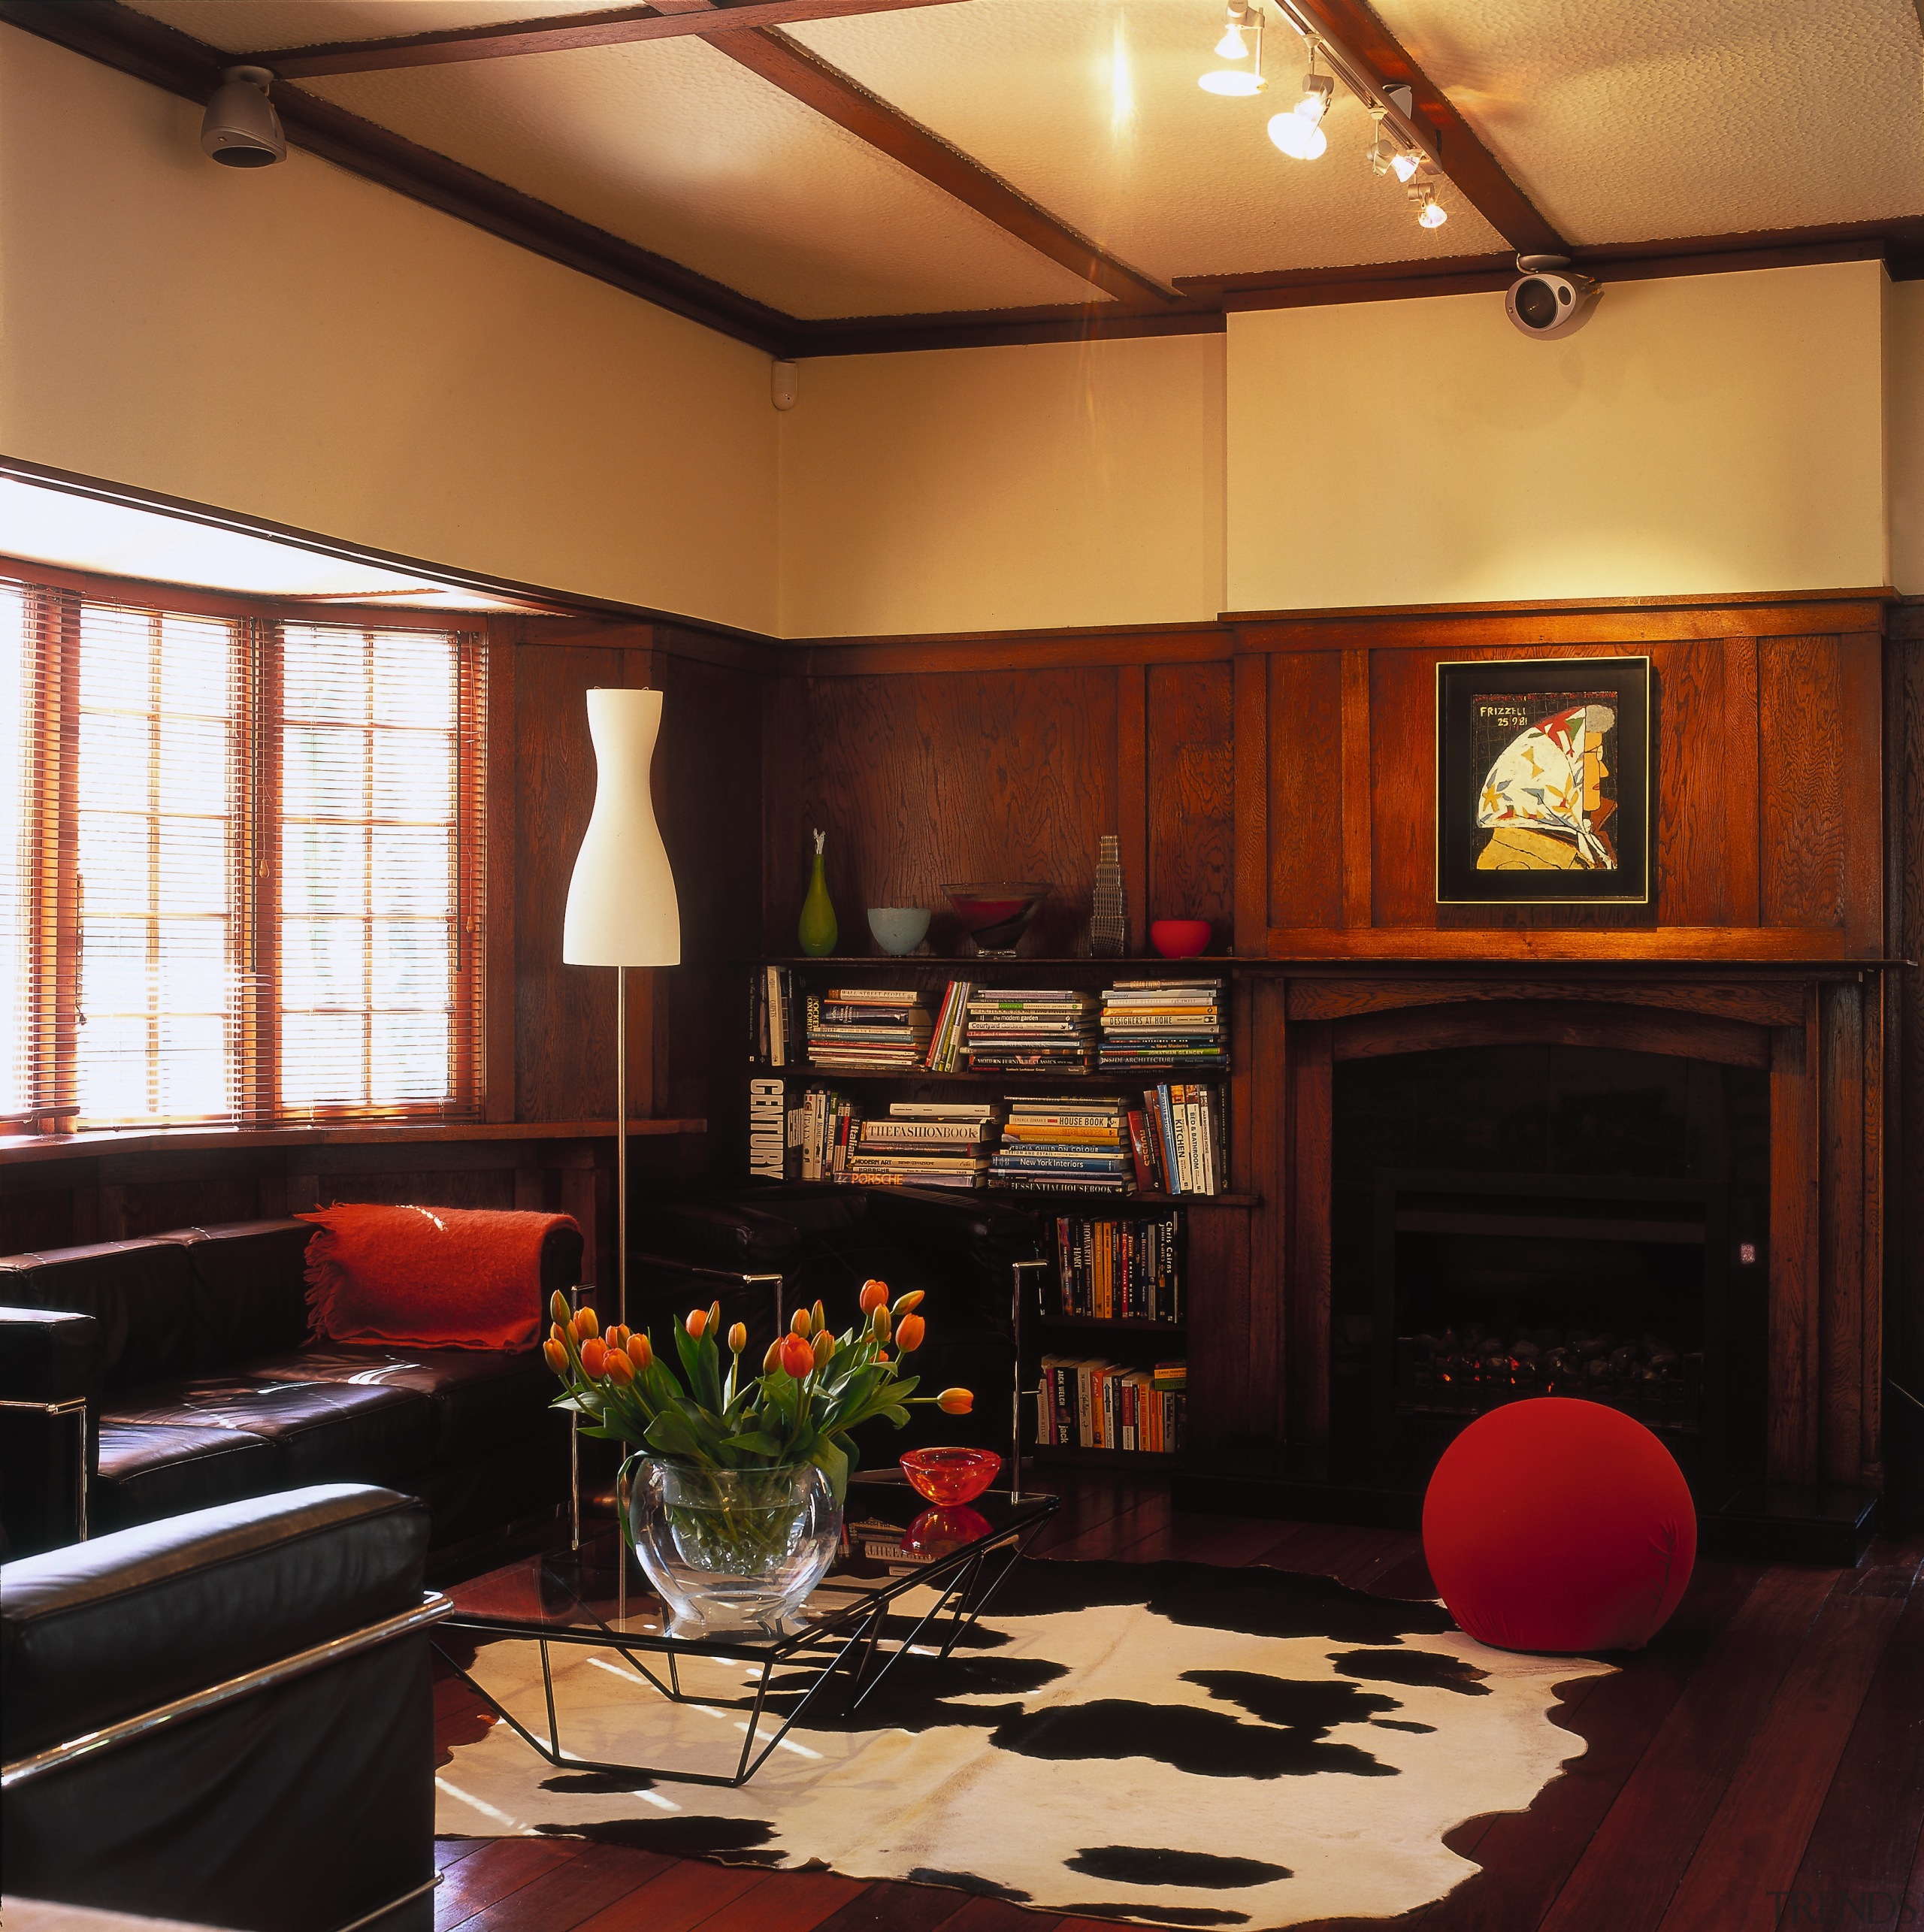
pixel 133 1140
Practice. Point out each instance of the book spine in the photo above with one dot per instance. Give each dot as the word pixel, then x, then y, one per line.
pixel 767 1130
pixel 1085 1422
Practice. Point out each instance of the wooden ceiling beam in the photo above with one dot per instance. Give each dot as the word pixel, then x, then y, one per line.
pixel 616 27
pixel 786 64
pixel 1465 162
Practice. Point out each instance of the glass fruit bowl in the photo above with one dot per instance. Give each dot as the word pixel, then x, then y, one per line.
pixel 996 915
pixel 947 1477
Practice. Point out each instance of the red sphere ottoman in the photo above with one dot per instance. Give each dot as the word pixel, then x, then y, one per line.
pixel 1557 1524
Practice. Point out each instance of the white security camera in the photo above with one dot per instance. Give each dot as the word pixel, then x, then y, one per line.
pixel 241 129
pixel 1548 298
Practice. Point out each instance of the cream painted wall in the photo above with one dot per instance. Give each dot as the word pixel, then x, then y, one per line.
pixel 1704 433
pixel 1903 433
pixel 979 489
pixel 299 344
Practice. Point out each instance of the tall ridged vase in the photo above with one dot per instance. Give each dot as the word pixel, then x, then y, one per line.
pixel 818 931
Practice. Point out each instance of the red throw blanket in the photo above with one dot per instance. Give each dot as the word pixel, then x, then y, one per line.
pixel 427 1278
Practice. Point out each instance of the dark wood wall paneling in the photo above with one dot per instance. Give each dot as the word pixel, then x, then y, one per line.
pixel 1277 775
pixel 925 777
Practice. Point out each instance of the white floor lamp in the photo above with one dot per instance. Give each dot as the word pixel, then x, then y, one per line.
pixel 621 909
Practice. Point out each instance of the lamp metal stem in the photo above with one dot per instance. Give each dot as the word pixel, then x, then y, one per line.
pixel 622 1144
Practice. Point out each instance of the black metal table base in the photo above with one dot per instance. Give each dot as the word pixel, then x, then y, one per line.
pixel 853 1647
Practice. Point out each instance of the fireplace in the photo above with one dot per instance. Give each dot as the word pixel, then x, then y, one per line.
pixel 1515 1220
pixel 1493 1288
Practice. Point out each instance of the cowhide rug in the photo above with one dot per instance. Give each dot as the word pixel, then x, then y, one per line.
pixel 1165 1742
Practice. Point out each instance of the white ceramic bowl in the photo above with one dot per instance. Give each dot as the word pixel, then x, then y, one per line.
pixel 898 929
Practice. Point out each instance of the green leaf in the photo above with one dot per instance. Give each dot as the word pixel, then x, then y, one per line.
pixel 756 1442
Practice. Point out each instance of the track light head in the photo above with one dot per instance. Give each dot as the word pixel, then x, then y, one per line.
pixel 241 129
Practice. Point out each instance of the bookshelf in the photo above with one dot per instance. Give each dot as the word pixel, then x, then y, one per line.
pixel 1041 1327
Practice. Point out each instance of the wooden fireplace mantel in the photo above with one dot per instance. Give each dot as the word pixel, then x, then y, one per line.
pixel 1818 1034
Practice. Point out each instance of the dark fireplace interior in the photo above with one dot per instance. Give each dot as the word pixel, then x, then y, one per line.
pixel 1524 1220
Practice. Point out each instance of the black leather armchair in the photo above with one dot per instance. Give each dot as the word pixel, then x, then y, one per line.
pixel 824 1241
pixel 227 1718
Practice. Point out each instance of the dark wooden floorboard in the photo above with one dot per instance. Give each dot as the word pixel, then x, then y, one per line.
pixel 689 1893
pixel 1629 1872
pixel 786 1902
pixel 888 1907
pixel 997 1915
pixel 1527 1857
pixel 1867 1837
pixel 1750 1853
pixel 597 1877
pixel 500 1867
pixel 1771 1739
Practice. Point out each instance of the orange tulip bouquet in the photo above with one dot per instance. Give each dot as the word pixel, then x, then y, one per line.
pixel 726 1454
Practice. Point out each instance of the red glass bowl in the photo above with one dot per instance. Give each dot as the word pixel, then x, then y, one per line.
pixel 940 1532
pixel 950 1476
pixel 996 915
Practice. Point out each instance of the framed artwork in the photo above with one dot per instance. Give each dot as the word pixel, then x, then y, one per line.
pixel 1543 781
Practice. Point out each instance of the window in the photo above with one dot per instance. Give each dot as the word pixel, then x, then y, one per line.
pixel 242 873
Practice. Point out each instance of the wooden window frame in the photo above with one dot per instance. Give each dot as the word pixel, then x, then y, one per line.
pixel 56 597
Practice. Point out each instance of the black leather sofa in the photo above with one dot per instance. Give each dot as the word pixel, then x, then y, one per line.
pixel 226 1718
pixel 187 1349
pixel 825 1241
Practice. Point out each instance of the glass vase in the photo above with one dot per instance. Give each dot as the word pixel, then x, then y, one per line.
pixel 731 1549
pixel 818 930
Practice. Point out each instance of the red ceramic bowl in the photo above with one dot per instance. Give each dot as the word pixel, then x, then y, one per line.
pixel 1179 938
pixel 950 1476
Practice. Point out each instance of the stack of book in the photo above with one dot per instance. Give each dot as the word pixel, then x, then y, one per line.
pixel 1024 1030
pixel 773 1040
pixel 926 1144
pixel 830 1123
pixel 1074 1143
pixel 1091 1404
pixel 952 1028
pixel 1163 1022
pixel 862 1030
pixel 1178 1139
pixel 1125 1270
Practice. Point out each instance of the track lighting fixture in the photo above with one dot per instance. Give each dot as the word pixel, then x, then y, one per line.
pixel 241 129
pixel 1242 21
pixel 1430 213
pixel 1403 147
pixel 1387 156
pixel 1301 139
pixel 1298 133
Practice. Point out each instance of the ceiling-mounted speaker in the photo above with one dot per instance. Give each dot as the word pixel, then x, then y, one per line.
pixel 241 129
pixel 1549 298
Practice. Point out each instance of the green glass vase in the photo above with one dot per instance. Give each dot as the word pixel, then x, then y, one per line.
pixel 818 931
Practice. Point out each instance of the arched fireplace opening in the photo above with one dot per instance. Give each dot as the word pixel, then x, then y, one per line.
pixel 1514 1217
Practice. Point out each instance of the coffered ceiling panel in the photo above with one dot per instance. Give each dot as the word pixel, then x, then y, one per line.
pixel 669 145
pixel 1092 107
pixel 1631 120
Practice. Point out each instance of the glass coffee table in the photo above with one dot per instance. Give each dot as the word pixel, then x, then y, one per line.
pixel 909 1578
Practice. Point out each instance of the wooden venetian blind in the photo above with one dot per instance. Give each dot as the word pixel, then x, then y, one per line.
pixel 243 866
